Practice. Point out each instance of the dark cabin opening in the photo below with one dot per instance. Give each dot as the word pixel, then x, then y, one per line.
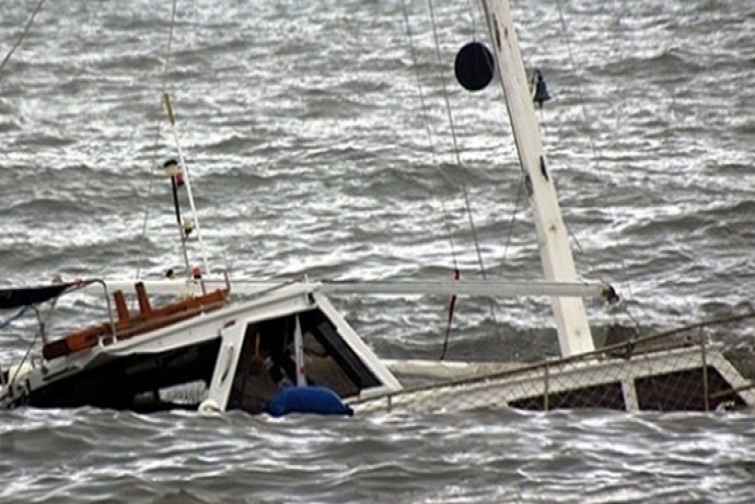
pixel 267 361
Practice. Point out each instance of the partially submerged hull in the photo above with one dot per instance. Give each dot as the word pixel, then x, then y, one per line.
pixel 239 356
pixel 235 357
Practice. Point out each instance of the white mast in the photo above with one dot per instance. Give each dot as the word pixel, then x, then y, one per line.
pixel 558 264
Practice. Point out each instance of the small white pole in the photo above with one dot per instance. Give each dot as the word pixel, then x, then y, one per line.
pixel 187 181
pixel 301 379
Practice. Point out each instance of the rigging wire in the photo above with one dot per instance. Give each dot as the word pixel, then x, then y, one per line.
pixel 624 306
pixel 170 39
pixel 487 16
pixel 184 234
pixel 158 130
pixel 446 215
pixel 150 186
pixel 583 110
pixel 41 325
pixel 572 61
pixel 37 334
pixel 482 12
pixel 16 316
pixel 464 189
pixel 428 130
pixel 473 19
pixel 23 35
pixel 619 104
pixel 26 354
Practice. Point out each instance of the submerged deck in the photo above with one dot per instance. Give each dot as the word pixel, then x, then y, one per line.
pixel 661 373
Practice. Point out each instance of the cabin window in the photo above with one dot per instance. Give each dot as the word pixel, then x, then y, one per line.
pixel 267 364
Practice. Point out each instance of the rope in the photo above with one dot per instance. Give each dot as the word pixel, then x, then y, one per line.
pixel 22 37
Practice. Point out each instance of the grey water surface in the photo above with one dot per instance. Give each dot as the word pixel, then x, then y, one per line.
pixel 307 142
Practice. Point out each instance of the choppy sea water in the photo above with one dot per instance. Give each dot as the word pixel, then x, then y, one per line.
pixel 307 142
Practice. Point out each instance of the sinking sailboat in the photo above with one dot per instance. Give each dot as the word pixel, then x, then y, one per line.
pixel 238 344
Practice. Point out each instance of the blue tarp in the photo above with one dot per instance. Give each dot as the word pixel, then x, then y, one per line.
pixel 317 400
